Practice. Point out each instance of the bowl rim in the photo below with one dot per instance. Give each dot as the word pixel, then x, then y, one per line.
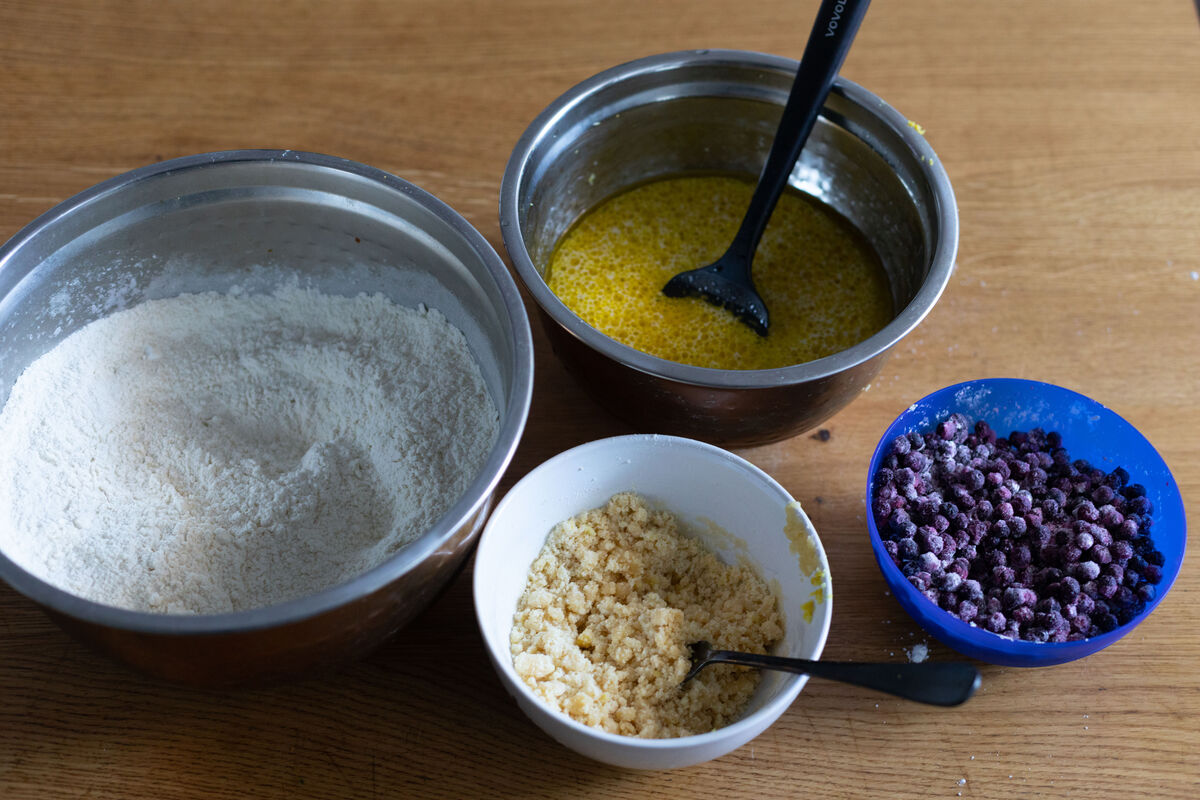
pixel 945 212
pixel 474 500
pixel 980 642
pixel 746 725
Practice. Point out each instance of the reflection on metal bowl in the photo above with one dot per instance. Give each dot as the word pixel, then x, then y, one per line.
pixel 716 111
pixel 254 218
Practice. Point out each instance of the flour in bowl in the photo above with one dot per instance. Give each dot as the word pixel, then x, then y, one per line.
pixel 210 453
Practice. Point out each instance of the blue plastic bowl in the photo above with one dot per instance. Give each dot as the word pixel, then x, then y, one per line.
pixel 1089 431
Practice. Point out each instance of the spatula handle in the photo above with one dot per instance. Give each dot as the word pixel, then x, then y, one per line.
pixel 939 683
pixel 832 34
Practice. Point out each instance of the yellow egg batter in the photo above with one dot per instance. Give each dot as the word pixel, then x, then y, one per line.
pixel 823 285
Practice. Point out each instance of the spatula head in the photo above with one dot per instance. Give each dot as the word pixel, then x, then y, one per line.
pixel 717 288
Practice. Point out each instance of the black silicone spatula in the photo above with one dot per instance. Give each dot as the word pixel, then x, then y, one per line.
pixel 727 281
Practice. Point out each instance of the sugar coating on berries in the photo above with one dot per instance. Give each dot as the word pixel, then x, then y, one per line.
pixel 1013 535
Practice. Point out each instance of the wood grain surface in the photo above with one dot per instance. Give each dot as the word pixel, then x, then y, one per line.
pixel 1070 133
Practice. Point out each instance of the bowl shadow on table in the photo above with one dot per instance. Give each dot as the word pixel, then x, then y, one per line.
pixel 398 722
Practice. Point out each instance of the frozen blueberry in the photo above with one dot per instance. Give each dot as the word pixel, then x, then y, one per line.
pixel 1084 604
pixel 1133 490
pixel 929 540
pixel 1068 590
pixel 881 506
pixel 1015 597
pixel 1128 529
pixel 1103 495
pixel 1084 540
pixel 949 546
pixel 1086 510
pixel 928 562
pixel 916 461
pixel 1069 554
pixel 1051 508
pixel 1110 518
pixel 948 581
pixel 1048 605
pixel 1106 586
pixel 907 548
pixel 962 498
pixel 1086 570
pixel 901 446
pixel 1048 575
pixel 1036 634
pixel 972 590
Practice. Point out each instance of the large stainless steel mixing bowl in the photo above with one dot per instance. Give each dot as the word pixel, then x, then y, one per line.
pixel 716 111
pixel 251 218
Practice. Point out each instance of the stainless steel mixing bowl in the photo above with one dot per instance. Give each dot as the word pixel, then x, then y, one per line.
pixel 253 218
pixel 716 111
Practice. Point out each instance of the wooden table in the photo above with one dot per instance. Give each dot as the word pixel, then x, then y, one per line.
pixel 1070 132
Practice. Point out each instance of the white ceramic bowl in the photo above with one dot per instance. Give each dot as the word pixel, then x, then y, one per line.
pixel 736 509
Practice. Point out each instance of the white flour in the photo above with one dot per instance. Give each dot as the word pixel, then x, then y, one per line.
pixel 209 453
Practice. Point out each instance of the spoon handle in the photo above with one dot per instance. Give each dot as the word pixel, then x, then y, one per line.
pixel 939 683
pixel 832 34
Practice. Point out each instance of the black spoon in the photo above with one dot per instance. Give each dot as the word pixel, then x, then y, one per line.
pixel 938 683
pixel 727 282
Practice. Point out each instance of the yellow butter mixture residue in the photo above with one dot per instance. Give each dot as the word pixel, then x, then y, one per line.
pixel 613 601
pixel 824 286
